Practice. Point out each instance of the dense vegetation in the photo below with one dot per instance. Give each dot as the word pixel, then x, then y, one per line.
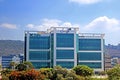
pixel 25 71
pixel 114 73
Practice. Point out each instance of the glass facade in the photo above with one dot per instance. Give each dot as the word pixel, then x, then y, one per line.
pixel 65 40
pixel 89 56
pixel 92 64
pixel 89 44
pixel 39 65
pixel 66 64
pixel 37 41
pixel 90 52
pixel 39 45
pixel 39 55
pixel 65 54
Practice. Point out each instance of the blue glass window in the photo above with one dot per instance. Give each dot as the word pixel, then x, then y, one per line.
pixel 65 54
pixel 65 40
pixel 39 65
pixel 39 55
pixel 39 42
pixel 92 64
pixel 66 64
pixel 89 44
pixel 89 56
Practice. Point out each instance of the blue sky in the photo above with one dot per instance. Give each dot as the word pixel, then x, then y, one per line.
pixel 91 16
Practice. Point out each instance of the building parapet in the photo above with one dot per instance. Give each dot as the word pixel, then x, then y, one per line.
pixel 58 29
pixel 36 32
pixel 63 29
pixel 89 35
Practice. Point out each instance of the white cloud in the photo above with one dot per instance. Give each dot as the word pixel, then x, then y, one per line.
pixel 9 26
pixel 85 1
pixel 48 23
pixel 109 26
pixel 68 24
pixel 104 23
pixel 30 26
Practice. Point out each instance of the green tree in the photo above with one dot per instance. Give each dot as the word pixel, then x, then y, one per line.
pixel 114 73
pixel 6 71
pixel 21 67
pixel 83 70
pixel 47 72
pixel 5 74
pixel 24 66
pixel 72 76
pixel 60 73
pixel 13 65
pixel 28 64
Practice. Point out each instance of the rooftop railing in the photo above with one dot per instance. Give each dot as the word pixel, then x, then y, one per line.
pixel 91 35
pixel 63 29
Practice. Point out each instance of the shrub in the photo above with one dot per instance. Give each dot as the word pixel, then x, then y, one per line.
pixel 34 75
pixel 60 73
pixel 21 67
pixel 72 76
pixel 28 64
pixel 114 73
pixel 47 72
pixel 6 72
pixel 59 70
pixel 5 77
pixel 26 75
pixel 83 70
pixel 16 75
pixel 24 66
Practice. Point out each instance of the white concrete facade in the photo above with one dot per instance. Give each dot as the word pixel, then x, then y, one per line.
pixel 64 30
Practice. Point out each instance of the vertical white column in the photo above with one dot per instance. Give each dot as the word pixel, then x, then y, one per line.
pixel 102 52
pixel 27 48
pixel 75 53
pixel 54 56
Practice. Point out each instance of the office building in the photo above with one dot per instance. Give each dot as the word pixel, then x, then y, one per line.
pixel 5 60
pixel 114 61
pixel 65 47
pixel 107 62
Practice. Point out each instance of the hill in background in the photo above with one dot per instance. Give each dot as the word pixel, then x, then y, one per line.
pixel 11 47
pixel 113 50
